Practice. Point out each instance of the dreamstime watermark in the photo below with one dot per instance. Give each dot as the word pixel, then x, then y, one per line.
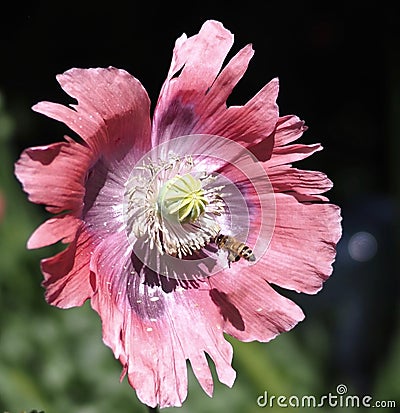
pixel 338 399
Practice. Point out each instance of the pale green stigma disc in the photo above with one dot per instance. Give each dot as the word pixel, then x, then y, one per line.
pixel 182 198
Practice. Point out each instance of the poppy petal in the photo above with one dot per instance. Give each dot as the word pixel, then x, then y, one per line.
pixel 250 306
pixel 193 98
pixel 284 178
pixel 62 227
pixel 112 114
pixel 302 248
pixel 67 276
pixel 42 171
pixel 139 321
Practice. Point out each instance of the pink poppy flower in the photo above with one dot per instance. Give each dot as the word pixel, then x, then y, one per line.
pixel 157 214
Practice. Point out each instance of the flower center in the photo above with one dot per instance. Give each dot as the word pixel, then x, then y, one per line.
pixel 173 206
pixel 187 217
pixel 182 198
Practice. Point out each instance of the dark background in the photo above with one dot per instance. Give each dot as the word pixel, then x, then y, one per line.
pixel 339 69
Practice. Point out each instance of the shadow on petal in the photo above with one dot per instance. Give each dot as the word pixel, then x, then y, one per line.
pixel 228 311
pixel 263 150
pixel 152 278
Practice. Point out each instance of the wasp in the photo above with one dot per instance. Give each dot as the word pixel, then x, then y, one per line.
pixel 236 249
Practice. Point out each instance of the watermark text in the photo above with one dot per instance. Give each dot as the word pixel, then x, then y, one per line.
pixel 338 399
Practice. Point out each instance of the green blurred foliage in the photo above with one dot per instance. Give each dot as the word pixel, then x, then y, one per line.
pixel 54 360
